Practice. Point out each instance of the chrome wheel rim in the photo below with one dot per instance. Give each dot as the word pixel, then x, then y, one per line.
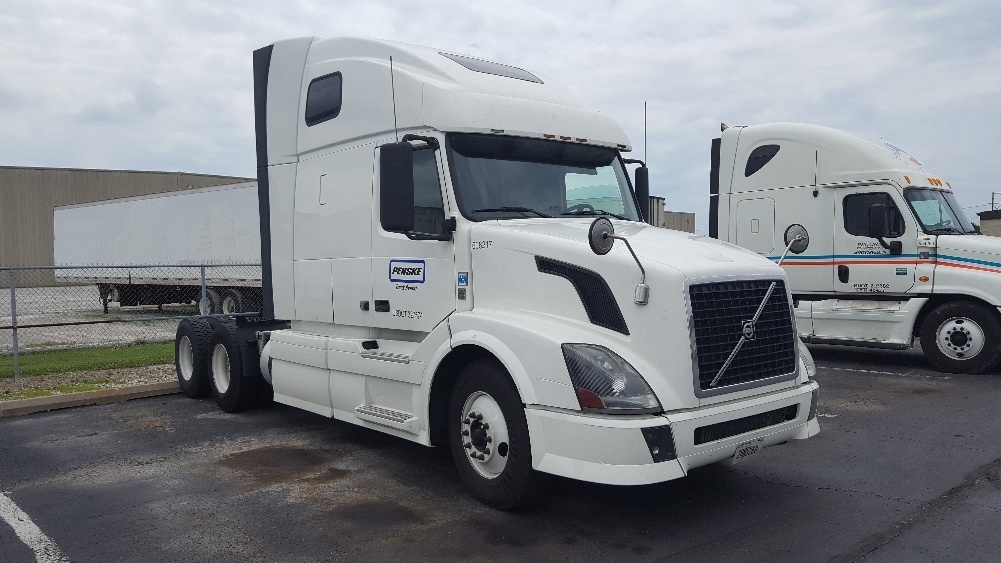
pixel 220 368
pixel 960 338
pixel 229 305
pixel 484 435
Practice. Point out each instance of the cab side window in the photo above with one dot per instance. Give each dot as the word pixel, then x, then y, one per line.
pixel 429 212
pixel 856 213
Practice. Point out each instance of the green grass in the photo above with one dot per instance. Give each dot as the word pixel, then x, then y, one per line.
pixel 89 359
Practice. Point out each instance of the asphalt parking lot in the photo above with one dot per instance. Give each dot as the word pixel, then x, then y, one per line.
pixel 907 467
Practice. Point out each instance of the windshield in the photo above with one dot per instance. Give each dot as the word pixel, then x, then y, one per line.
pixel 938 211
pixel 513 177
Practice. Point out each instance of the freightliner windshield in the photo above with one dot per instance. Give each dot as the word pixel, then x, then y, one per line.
pixel 499 177
pixel 938 212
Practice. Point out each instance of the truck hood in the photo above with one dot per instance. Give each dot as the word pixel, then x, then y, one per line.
pixel 692 256
pixel 969 265
pixel 984 246
pixel 544 270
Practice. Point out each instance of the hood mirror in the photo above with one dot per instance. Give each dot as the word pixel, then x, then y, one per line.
pixel 601 236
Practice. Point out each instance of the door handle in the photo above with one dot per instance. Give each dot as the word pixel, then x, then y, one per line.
pixel 843 273
pixel 381 305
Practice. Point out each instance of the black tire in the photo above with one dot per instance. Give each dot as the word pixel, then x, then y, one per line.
pixel 191 357
pixel 962 337
pixel 503 478
pixel 233 391
pixel 232 302
pixel 211 304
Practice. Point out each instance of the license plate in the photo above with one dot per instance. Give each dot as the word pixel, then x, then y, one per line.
pixel 747 450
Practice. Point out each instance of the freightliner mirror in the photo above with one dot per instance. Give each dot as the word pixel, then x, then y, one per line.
pixel 396 187
pixel 879 227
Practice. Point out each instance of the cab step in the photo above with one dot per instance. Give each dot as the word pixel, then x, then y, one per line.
pixel 388 417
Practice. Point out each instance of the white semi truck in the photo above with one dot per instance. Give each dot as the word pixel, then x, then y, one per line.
pixel 173 232
pixel 453 255
pixel 883 252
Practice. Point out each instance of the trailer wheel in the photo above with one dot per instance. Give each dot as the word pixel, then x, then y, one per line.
pixel 211 304
pixel 191 356
pixel 232 302
pixel 488 436
pixel 962 337
pixel 232 390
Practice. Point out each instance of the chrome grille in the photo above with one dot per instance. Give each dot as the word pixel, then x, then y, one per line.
pixel 721 312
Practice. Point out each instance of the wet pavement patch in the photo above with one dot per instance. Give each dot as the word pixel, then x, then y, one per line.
pixel 370 515
pixel 283 465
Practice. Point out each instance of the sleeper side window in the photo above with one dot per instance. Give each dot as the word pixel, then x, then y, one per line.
pixel 856 213
pixel 429 212
pixel 323 99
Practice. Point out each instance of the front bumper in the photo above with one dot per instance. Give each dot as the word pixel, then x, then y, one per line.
pixel 613 449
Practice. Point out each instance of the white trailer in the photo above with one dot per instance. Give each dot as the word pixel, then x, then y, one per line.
pixel 453 254
pixel 885 253
pixel 174 231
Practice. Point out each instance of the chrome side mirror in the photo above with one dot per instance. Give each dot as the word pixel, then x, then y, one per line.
pixel 601 236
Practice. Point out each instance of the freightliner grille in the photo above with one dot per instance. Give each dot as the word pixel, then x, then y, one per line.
pixel 720 311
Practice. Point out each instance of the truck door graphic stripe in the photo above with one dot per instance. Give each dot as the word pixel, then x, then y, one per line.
pixel 599 303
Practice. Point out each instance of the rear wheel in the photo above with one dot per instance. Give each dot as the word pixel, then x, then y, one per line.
pixel 488 437
pixel 191 354
pixel 962 337
pixel 232 302
pixel 211 304
pixel 233 391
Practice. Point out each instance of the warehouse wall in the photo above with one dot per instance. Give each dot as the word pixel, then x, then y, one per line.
pixel 677 220
pixel 28 196
pixel 990 222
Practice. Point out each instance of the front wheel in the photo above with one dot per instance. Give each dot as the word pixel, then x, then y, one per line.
pixel 962 337
pixel 488 437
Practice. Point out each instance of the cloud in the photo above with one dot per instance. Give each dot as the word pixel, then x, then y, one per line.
pixel 168 85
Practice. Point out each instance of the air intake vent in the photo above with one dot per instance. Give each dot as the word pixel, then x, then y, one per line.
pixel 721 315
pixel 594 293
pixel 722 430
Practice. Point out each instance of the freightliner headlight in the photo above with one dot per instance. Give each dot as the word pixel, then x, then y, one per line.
pixel 807 358
pixel 606 383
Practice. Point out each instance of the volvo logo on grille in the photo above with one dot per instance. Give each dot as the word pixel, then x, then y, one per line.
pixel 748 330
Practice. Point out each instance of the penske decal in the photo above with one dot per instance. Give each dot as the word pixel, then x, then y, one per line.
pixel 407 271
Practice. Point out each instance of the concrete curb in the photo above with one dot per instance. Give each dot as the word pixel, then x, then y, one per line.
pixel 99 397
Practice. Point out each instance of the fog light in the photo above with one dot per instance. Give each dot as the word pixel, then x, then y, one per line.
pixel 660 440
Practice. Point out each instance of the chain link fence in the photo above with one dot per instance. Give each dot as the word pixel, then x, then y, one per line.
pixel 51 308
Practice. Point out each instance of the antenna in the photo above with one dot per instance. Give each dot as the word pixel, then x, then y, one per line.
pixel 392 84
pixel 644 131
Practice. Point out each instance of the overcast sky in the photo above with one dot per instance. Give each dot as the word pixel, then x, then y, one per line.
pixel 167 85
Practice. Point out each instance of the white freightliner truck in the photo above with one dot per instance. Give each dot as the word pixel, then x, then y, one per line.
pixel 884 253
pixel 174 232
pixel 437 236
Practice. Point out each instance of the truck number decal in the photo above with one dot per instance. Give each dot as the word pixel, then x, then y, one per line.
pixel 482 244
pixel 871 287
pixel 416 315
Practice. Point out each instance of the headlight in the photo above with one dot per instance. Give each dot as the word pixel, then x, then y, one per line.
pixel 807 358
pixel 606 383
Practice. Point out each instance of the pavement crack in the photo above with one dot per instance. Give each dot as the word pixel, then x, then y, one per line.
pixel 834 489
pixel 988 472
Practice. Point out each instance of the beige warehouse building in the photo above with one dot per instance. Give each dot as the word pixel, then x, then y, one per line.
pixel 29 195
pixel 990 222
